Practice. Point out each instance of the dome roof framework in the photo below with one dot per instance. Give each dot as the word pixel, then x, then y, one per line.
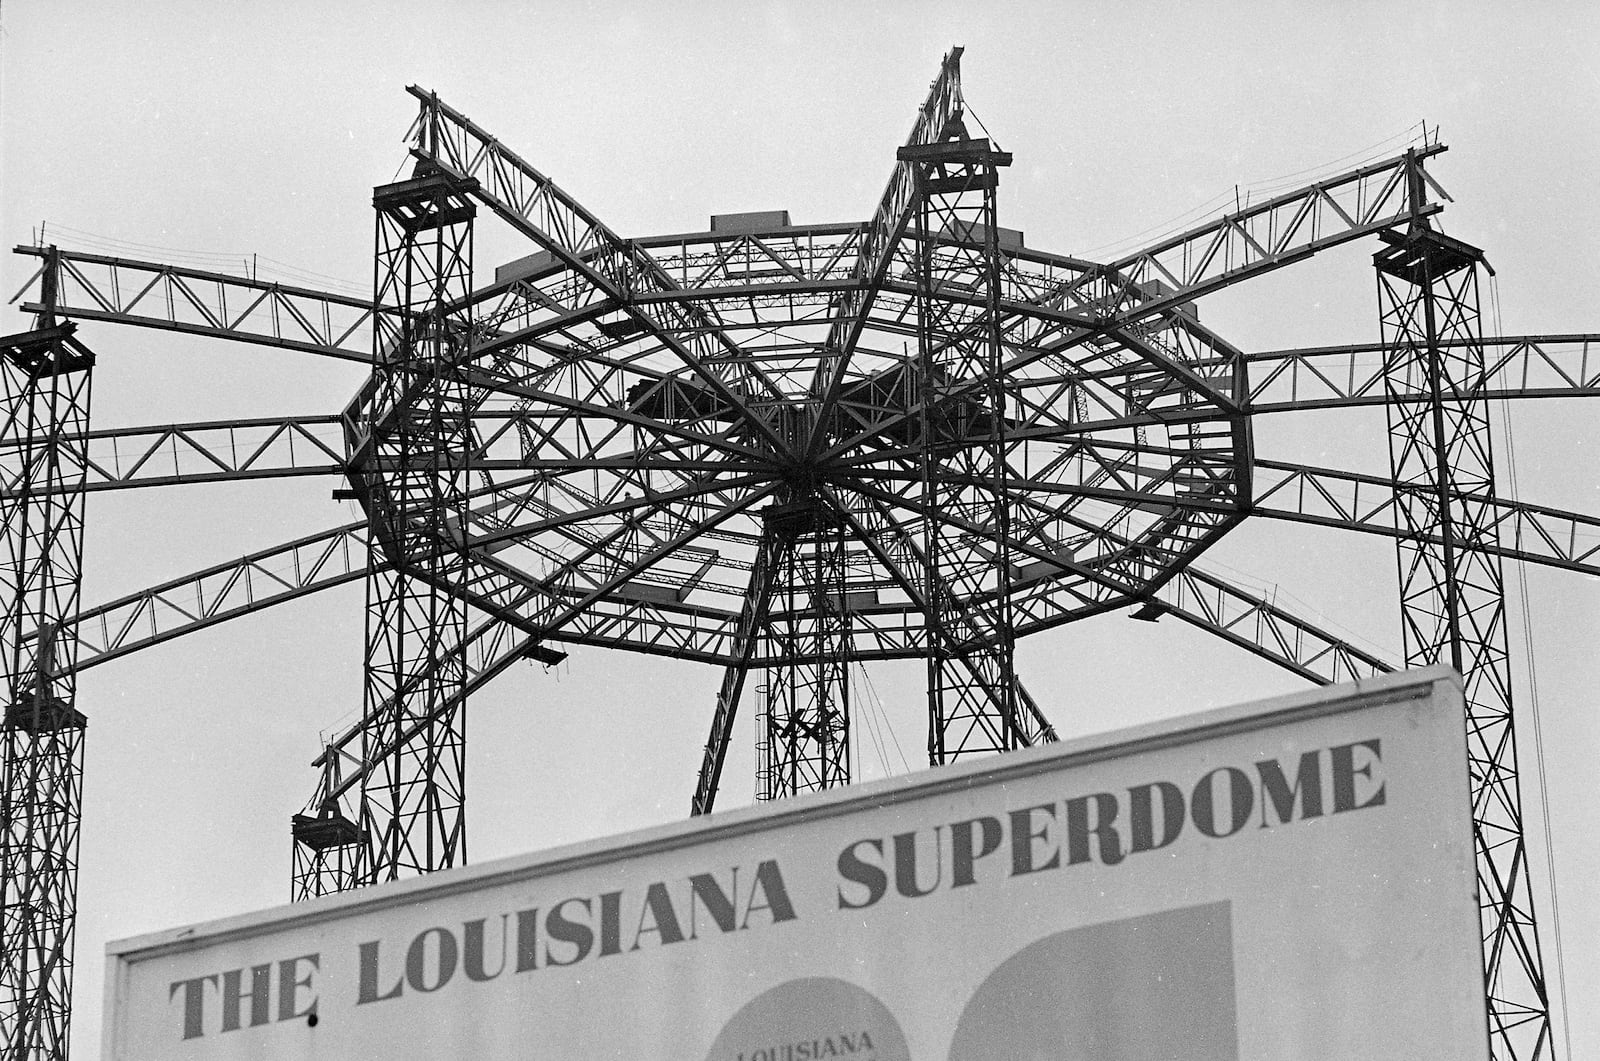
pixel 788 450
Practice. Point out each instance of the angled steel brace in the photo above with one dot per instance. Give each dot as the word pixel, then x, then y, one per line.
pixel 938 119
pixel 1533 534
pixel 752 616
pixel 1260 625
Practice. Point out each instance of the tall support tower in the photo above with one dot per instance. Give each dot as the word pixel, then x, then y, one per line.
pixel 804 732
pixel 973 704
pixel 1451 588
pixel 46 375
pixel 413 478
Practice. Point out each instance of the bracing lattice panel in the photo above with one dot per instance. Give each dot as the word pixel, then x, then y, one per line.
pixel 1452 592
pixel 45 410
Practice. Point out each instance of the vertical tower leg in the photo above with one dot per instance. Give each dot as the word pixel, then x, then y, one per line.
pixel 1451 589
pixel 419 432
pixel 973 704
pixel 329 849
pixel 45 413
pixel 804 729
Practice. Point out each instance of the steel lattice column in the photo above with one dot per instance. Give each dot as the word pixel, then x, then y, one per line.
pixel 46 376
pixel 972 693
pixel 415 489
pixel 1451 588
pixel 803 740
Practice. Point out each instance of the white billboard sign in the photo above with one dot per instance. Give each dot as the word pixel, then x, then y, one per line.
pixel 1287 879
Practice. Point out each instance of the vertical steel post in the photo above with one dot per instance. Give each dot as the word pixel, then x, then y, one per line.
pixel 46 375
pixel 1451 588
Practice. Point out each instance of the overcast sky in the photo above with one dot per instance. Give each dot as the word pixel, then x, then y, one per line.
pixel 209 132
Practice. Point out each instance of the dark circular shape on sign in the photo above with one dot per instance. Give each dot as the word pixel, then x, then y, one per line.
pixel 814 1017
pixel 1152 988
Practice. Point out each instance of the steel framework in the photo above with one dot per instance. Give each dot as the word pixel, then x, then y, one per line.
pixel 43 419
pixel 787 451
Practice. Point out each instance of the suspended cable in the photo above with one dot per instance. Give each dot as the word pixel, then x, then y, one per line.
pixel 239 263
pixel 1533 695
pixel 1240 194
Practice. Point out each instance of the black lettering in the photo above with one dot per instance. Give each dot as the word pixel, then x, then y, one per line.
pixel 774 895
pixel 193 1003
pixel 905 863
pixel 289 984
pixel 1241 801
pixel 853 869
pixel 1023 836
pixel 963 856
pixel 233 996
pixel 472 960
pixel 663 918
pixel 1277 791
pixel 611 924
pixel 1079 830
pixel 527 940
pixel 704 890
pixel 1141 815
pixel 1345 772
pixel 368 990
pixel 417 960
pixel 558 926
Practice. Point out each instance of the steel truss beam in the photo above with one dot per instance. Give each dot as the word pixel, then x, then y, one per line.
pixel 1452 595
pixel 1153 284
pixel 939 119
pixel 199 302
pixel 43 410
pixel 1259 625
pixel 623 272
pixel 1515 366
pixel 1537 534
pixel 264 448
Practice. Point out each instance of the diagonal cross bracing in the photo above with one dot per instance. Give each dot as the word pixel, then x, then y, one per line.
pixel 1452 593
pixel 44 410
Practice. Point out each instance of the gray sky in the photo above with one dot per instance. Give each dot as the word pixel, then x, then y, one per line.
pixel 204 133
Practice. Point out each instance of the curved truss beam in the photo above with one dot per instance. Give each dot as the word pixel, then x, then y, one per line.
pixel 1516 366
pixel 1323 496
